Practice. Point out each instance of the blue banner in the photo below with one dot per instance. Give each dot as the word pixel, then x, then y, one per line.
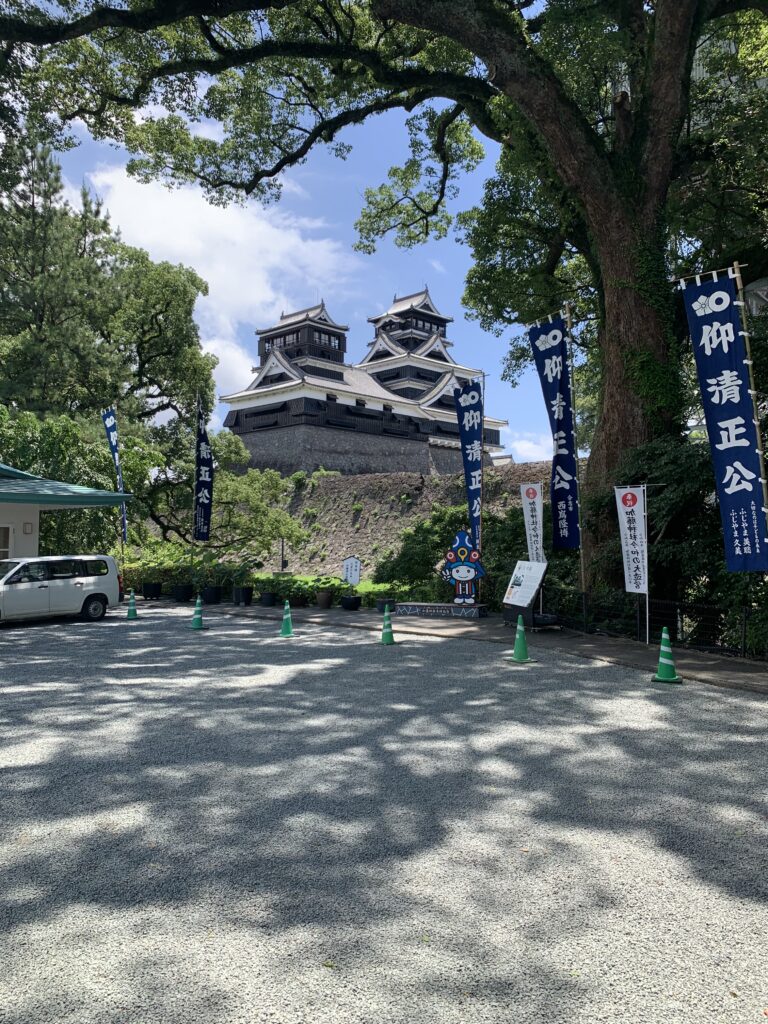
pixel 203 480
pixel 723 368
pixel 109 419
pixel 469 411
pixel 550 353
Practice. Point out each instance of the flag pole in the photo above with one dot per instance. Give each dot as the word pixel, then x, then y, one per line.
pixel 647 573
pixel 736 273
pixel 569 325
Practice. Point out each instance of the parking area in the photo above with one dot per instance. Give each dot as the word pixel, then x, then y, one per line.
pixel 226 826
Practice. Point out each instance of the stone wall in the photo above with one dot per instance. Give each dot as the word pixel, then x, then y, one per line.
pixel 304 447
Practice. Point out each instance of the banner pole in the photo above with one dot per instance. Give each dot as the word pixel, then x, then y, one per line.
pixel 569 325
pixel 647 573
pixel 482 475
pixel 753 394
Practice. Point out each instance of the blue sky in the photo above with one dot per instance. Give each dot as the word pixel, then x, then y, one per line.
pixel 259 261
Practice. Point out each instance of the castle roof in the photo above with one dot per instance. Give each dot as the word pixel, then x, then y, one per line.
pixel 317 314
pixel 418 302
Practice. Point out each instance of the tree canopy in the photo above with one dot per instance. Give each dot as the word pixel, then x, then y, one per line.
pixel 629 138
pixel 609 139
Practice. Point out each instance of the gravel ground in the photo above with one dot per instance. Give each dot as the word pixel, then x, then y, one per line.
pixel 229 827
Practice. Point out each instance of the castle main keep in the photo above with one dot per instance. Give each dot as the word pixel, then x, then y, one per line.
pixel 392 412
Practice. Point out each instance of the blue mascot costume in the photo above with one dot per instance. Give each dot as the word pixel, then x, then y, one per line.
pixel 463 569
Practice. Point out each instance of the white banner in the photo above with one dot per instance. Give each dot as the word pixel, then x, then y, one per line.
pixel 532 498
pixel 630 505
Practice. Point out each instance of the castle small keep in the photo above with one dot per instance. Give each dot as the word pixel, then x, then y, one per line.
pixel 392 412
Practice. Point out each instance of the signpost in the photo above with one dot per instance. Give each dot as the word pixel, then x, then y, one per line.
pixel 352 567
pixel 523 587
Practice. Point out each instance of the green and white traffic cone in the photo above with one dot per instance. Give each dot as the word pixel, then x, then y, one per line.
pixel 287 627
pixel 666 672
pixel 132 613
pixel 197 615
pixel 520 653
pixel 387 636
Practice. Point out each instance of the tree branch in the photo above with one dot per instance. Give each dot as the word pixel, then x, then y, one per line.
pixel 722 8
pixel 665 104
pixel 576 151
pixel 49 31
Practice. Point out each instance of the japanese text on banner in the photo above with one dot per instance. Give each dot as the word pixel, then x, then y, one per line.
pixel 109 419
pixel 723 370
pixel 203 481
pixel 469 411
pixel 630 505
pixel 532 499
pixel 550 353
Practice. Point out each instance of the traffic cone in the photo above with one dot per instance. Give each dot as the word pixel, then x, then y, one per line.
pixel 387 636
pixel 197 615
pixel 132 613
pixel 520 653
pixel 287 627
pixel 666 672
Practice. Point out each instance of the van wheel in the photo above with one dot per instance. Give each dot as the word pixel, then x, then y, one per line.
pixel 94 608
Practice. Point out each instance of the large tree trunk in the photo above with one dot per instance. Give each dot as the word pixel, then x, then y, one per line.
pixel 640 397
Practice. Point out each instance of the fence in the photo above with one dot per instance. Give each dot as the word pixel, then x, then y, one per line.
pixel 740 632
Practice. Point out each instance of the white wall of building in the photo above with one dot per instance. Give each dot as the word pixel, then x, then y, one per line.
pixel 24 543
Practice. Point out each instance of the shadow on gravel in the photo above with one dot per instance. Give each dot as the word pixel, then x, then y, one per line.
pixel 142 764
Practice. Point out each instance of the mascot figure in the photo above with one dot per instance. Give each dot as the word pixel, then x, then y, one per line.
pixel 463 569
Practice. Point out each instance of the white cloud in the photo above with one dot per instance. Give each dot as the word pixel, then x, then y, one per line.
pixel 258 262
pixel 438 266
pixel 526 446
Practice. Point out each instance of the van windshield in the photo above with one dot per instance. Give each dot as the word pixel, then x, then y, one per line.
pixel 6 565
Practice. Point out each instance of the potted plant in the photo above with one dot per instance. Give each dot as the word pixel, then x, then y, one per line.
pixel 242 587
pixel 383 602
pixel 182 581
pixel 151 581
pixel 211 576
pixel 326 589
pixel 351 600
pixel 182 591
pixel 267 592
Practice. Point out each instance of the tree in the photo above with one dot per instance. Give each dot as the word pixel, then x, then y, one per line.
pixel 85 320
pixel 285 75
pixel 57 448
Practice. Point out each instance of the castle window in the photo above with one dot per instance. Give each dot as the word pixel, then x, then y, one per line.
pixel 334 341
pixel 267 346
pixel 388 408
pixel 360 403
pixel 330 398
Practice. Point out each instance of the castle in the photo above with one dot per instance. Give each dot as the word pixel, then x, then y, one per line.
pixel 392 412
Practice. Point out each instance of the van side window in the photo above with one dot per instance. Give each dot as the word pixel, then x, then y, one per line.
pixel 32 572
pixel 95 567
pixel 65 569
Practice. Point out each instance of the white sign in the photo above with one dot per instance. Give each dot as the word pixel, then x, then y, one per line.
pixel 351 572
pixel 533 510
pixel 525 583
pixel 630 505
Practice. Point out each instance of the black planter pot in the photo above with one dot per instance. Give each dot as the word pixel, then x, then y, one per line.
pixel 182 591
pixel 351 602
pixel 242 595
pixel 267 598
pixel 298 602
pixel 211 595
pixel 152 591
pixel 382 602
pixel 324 598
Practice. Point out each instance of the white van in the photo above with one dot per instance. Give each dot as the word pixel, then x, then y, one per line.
pixel 32 588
